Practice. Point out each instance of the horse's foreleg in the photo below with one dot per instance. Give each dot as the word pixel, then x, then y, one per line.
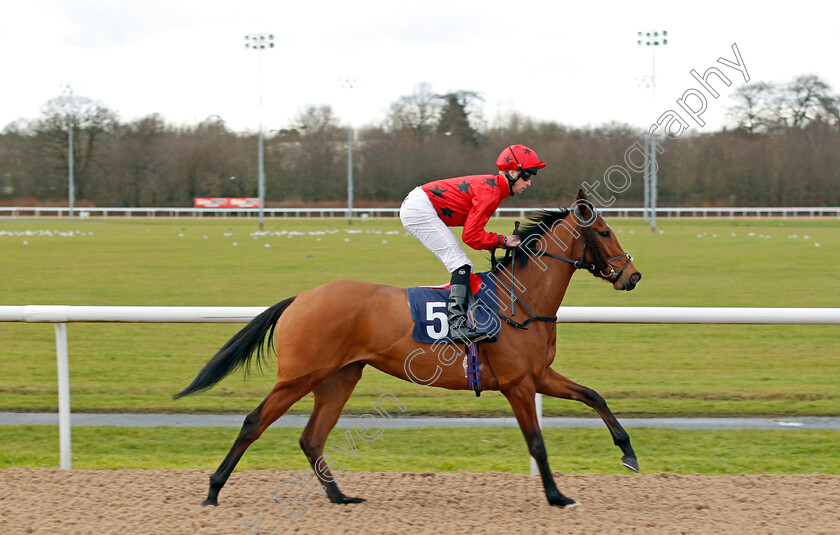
pixel 553 384
pixel 330 397
pixel 273 406
pixel 521 399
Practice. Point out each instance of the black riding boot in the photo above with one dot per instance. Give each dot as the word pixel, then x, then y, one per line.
pixel 459 293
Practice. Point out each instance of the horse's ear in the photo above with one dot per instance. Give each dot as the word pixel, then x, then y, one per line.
pixel 583 207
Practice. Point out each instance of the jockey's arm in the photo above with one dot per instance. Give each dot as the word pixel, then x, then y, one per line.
pixel 474 234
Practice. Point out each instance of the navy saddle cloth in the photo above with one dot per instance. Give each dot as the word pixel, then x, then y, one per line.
pixel 429 310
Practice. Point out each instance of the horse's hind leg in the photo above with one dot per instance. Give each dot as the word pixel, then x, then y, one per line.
pixel 283 396
pixel 553 384
pixel 521 398
pixel 330 397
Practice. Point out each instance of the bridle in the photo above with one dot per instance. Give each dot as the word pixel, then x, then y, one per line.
pixel 581 264
pixel 578 264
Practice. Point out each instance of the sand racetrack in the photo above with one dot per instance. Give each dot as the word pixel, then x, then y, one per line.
pixel 168 502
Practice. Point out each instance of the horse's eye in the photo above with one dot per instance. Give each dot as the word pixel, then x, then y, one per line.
pixel 605 234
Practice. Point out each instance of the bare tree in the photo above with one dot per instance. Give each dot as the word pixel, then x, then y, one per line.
pixel 766 108
pixel 831 108
pixel 805 94
pixel 318 158
pixel 416 113
pixel 752 106
pixel 90 119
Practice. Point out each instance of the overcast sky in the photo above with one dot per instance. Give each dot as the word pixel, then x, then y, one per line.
pixel 575 63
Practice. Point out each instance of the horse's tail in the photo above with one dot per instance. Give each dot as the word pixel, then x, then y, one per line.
pixel 239 350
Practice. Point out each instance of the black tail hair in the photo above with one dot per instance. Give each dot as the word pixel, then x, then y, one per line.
pixel 239 350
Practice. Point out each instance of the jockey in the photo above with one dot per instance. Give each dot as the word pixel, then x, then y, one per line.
pixel 467 201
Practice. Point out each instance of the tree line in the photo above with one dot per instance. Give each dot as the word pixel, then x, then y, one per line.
pixel 783 149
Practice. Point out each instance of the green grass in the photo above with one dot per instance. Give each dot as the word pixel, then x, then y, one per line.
pixel 639 369
pixel 434 450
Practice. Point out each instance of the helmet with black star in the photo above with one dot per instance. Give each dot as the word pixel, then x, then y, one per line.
pixel 519 158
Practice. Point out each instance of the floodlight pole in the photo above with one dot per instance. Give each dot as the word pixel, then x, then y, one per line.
pixel 647 181
pixel 71 172
pixel 350 175
pixel 71 187
pixel 259 42
pixel 349 83
pixel 652 39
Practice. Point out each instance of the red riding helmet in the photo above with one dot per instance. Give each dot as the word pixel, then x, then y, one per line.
pixel 516 157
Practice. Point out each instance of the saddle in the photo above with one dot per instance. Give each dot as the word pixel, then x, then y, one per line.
pixel 428 310
pixel 428 305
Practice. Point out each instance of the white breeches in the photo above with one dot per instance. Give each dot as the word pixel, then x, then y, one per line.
pixel 421 220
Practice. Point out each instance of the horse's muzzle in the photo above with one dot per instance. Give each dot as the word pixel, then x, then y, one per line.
pixel 632 281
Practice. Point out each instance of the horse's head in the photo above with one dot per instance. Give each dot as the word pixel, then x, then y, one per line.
pixel 599 249
pixel 577 236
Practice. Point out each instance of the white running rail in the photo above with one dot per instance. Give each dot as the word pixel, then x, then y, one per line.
pixel 388 212
pixel 60 315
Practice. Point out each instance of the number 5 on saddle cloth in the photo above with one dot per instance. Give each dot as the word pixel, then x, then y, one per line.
pixel 428 310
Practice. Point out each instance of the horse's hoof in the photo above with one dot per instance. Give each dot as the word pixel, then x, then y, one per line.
pixel 631 463
pixel 564 502
pixel 209 501
pixel 346 499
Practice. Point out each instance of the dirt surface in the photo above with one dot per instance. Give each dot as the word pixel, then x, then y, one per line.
pixel 168 501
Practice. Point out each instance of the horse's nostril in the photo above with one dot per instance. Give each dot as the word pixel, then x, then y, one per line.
pixel 635 277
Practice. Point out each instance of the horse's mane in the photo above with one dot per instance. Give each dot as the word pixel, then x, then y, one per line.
pixel 537 224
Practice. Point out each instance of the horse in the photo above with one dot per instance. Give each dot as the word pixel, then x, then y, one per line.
pixel 325 336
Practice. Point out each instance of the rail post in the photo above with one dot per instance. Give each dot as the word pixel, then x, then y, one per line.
pixel 61 355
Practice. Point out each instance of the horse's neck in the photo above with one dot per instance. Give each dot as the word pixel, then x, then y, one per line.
pixel 545 285
pixel 544 290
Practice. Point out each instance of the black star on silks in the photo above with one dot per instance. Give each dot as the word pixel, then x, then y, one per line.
pixel 437 192
pixel 464 186
pixel 527 151
pixel 491 182
pixel 507 159
pixel 446 212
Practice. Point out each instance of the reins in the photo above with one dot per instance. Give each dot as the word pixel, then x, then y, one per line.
pixel 511 253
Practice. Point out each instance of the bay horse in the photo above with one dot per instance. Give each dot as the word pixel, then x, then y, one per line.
pixel 327 335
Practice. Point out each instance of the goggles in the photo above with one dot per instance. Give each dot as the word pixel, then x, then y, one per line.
pixel 526 174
